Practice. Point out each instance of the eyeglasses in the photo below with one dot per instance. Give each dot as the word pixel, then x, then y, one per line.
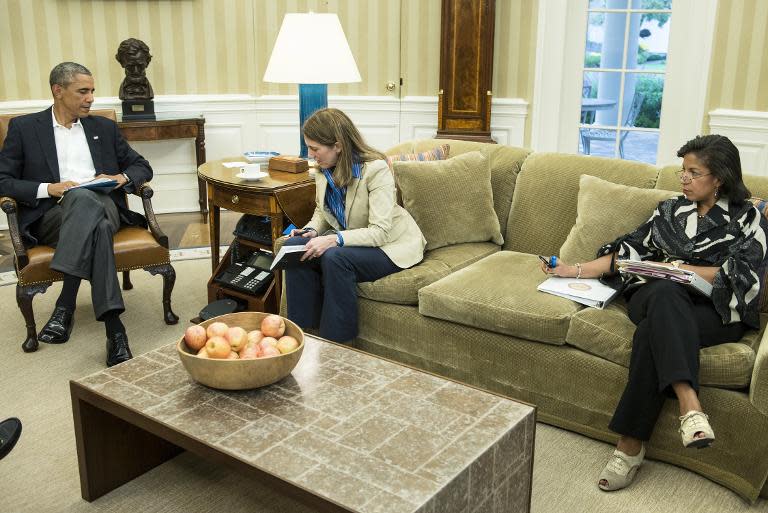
pixel 689 176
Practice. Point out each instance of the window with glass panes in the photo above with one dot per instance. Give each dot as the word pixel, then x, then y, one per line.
pixel 625 60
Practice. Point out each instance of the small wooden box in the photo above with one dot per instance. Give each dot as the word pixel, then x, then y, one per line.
pixel 288 164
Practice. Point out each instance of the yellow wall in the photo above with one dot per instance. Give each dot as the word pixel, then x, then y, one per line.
pixel 738 77
pixel 222 46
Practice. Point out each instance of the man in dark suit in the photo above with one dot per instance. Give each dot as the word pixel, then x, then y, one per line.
pixel 44 156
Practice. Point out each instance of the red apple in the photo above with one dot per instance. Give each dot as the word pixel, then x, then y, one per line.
pixel 195 337
pixel 255 336
pixel 237 337
pixel 286 344
pixel 268 342
pixel 269 351
pixel 217 329
pixel 250 351
pixel 218 347
pixel 273 326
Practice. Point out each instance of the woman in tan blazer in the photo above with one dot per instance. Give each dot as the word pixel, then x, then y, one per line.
pixel 357 233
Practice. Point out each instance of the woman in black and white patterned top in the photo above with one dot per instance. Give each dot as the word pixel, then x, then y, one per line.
pixel 714 230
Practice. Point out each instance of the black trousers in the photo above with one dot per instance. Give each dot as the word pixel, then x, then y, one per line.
pixel 672 324
pixel 323 291
pixel 81 228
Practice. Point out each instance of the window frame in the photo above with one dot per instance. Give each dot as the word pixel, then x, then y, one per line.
pixel 562 26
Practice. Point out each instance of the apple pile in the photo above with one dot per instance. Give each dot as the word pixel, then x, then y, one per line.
pixel 224 343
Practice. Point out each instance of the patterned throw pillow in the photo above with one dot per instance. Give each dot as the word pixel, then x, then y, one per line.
pixel 762 205
pixel 439 153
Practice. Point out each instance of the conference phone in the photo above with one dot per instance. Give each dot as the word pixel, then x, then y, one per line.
pixel 251 276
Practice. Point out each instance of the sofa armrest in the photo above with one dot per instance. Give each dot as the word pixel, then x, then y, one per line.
pixel 12 213
pixel 758 388
pixel 145 192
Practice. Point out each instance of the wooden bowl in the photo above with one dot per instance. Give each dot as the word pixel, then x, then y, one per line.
pixel 241 374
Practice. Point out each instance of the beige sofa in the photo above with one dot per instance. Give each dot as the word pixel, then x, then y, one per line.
pixel 470 310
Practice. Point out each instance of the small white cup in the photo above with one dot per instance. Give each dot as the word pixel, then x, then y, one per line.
pixel 250 170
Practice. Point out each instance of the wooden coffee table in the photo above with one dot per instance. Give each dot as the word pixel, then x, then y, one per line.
pixel 346 431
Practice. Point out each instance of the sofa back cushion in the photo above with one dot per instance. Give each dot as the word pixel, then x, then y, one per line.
pixel 451 200
pixel 505 162
pixel 605 211
pixel 545 198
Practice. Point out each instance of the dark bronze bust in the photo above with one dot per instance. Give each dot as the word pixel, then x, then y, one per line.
pixel 133 55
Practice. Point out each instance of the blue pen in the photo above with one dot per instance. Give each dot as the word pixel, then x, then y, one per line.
pixel 552 262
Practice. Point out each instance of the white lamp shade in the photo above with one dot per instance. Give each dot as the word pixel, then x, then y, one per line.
pixel 311 49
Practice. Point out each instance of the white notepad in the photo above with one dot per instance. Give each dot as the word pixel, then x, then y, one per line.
pixel 587 291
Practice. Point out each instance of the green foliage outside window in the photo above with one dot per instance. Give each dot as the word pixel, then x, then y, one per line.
pixel 650 113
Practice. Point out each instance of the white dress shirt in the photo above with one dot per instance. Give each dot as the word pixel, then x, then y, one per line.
pixel 75 161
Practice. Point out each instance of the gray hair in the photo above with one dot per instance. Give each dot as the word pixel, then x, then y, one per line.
pixel 64 74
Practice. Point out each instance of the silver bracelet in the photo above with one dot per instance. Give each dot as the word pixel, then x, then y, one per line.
pixel 578 266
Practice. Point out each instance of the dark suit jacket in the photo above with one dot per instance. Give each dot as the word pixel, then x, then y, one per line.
pixel 29 158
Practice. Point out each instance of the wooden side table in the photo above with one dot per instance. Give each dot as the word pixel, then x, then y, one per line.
pixel 280 194
pixel 163 129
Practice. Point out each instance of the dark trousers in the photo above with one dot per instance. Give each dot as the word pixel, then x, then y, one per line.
pixel 672 324
pixel 81 228
pixel 323 291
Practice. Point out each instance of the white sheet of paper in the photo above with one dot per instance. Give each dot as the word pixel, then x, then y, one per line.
pixel 234 164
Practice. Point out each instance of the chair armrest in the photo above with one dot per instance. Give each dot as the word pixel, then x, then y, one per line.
pixel 758 388
pixel 145 192
pixel 11 211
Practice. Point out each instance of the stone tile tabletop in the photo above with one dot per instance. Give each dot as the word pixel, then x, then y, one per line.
pixel 366 433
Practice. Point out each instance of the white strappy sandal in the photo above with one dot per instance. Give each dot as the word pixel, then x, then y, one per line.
pixel 620 470
pixel 695 422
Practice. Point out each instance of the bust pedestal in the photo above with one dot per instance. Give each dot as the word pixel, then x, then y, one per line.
pixel 138 110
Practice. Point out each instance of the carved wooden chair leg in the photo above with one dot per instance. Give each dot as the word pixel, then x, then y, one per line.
pixel 127 285
pixel 24 296
pixel 169 280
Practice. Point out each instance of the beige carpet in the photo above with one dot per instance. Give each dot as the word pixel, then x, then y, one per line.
pixel 40 475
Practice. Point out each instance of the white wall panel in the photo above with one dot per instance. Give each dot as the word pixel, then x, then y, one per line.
pixel 749 132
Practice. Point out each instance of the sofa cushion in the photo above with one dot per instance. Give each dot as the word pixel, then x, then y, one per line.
pixel 403 287
pixel 499 294
pixel 451 200
pixel 544 203
pixel 505 165
pixel 606 211
pixel 608 334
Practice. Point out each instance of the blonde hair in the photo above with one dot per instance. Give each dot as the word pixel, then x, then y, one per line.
pixel 331 126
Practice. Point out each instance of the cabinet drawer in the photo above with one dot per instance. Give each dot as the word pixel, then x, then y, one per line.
pixel 241 201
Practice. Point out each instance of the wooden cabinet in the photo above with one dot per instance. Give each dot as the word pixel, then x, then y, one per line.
pixel 466 70
pixel 266 301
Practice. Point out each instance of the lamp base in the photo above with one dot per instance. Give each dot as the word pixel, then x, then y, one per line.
pixel 312 97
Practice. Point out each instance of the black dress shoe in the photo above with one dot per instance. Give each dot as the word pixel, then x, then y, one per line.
pixel 58 327
pixel 10 430
pixel 117 349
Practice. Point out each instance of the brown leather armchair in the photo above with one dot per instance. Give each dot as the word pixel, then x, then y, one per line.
pixel 135 248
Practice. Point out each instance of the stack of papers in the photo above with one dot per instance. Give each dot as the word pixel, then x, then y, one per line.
pixel 586 291
pixel 655 270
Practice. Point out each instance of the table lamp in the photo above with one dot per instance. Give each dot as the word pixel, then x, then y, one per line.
pixel 312 51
